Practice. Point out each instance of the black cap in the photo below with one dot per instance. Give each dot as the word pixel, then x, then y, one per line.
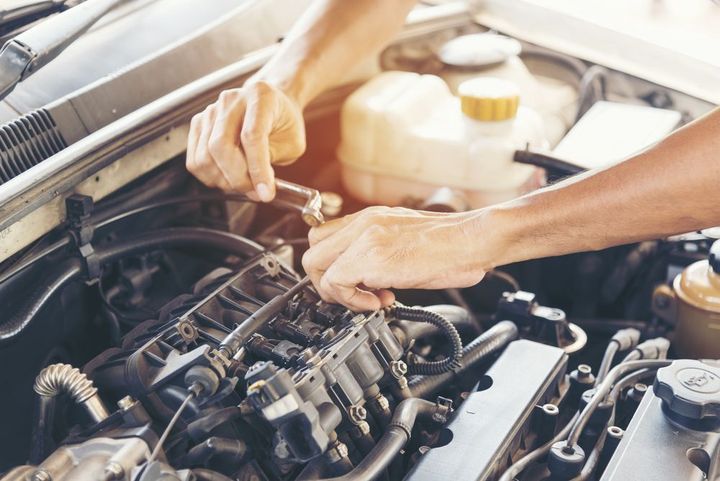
pixel 690 389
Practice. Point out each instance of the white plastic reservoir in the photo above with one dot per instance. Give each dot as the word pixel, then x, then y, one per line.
pixel 405 135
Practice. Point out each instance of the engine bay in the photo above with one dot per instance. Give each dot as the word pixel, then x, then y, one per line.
pixel 167 332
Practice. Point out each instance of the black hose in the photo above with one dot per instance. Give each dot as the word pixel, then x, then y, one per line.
pixel 233 452
pixel 72 269
pixel 209 475
pixel 458 316
pixel 390 443
pixel 485 345
pixel 433 368
pixel 200 429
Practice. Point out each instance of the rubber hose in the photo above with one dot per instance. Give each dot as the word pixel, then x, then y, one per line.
pixel 201 428
pixel 433 368
pixel 231 451
pixel 390 443
pixel 485 345
pixel 72 269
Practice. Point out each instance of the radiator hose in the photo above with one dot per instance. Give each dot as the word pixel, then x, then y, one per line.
pixel 433 368
pixel 72 269
pixel 485 345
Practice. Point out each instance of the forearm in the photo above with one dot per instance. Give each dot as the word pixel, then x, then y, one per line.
pixel 669 189
pixel 331 38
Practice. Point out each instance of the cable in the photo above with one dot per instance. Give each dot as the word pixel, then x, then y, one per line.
pixel 603 389
pixel 171 424
pixel 607 359
pixel 484 346
pixel 622 340
pixel 522 463
pixel 433 368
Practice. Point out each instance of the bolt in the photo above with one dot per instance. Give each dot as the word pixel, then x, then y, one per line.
pixel 126 403
pixel 615 432
pixel 398 369
pixel 40 475
pixel 357 413
pixel 550 409
pixel 114 471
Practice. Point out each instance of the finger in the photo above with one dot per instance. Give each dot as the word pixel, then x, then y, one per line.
pixel 203 166
pixel 386 296
pixel 343 281
pixel 351 296
pixel 255 138
pixel 224 143
pixel 329 228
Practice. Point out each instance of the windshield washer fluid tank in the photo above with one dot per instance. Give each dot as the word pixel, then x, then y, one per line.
pixel 405 135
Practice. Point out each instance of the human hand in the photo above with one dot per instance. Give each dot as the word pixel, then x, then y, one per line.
pixel 234 142
pixel 356 259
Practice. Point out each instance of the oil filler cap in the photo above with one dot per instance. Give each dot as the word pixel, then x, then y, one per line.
pixel 690 389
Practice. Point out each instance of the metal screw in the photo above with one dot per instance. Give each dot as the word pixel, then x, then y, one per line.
pixel 550 409
pixel 615 432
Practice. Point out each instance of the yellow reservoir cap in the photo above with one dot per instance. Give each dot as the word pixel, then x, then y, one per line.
pixel 489 99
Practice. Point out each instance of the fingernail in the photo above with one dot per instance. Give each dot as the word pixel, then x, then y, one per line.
pixel 263 191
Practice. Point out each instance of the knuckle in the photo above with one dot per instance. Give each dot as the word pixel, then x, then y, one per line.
pixel 250 135
pixel 226 96
pixel 216 146
pixel 262 87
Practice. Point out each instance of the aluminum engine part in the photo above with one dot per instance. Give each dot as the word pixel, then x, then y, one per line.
pixel 93 460
pixel 492 423
pixel 675 432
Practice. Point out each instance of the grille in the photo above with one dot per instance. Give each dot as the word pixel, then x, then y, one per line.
pixel 27 141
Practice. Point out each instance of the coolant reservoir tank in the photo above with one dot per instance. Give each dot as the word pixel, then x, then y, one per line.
pixel 694 305
pixel 405 135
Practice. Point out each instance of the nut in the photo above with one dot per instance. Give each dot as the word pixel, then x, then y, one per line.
pixel 357 413
pixel 398 369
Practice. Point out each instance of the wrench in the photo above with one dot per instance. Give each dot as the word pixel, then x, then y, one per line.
pixel 311 209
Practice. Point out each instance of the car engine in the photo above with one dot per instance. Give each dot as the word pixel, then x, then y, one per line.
pixel 161 331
